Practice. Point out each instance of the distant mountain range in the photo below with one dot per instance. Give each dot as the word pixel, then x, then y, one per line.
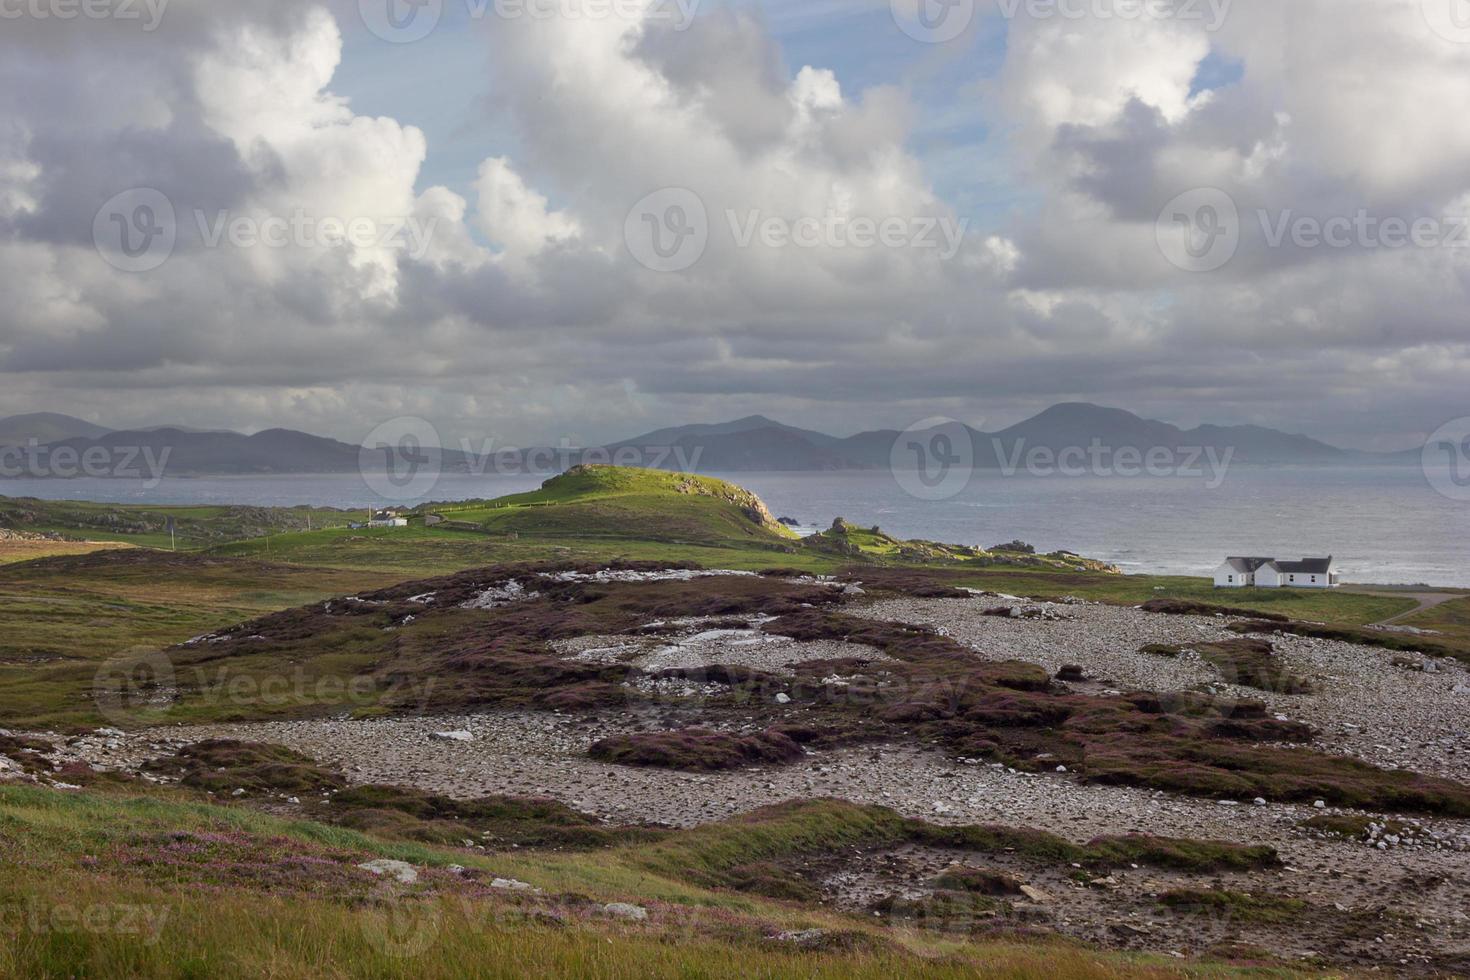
pixel 746 445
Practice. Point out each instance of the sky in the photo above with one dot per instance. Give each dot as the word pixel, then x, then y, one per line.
pixel 539 220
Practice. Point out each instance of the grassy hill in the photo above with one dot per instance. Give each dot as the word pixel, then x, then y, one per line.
pixel 618 502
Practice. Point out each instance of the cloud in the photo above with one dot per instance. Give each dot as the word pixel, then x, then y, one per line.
pixel 523 313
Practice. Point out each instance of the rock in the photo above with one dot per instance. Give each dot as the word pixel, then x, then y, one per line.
pixel 1320 804
pixel 453 736
pixel 1035 894
pixel 406 873
pixel 783 698
pixel 238 792
pixel 512 885
pixel 1128 929
pixel 805 937
pixel 622 910
pixel 456 869
pixel 1259 801
pixel 109 733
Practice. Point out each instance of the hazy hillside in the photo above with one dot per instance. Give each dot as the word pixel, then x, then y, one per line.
pixel 44 427
pixel 750 444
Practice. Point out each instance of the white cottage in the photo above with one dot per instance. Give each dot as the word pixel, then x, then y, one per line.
pixel 1269 573
pixel 1309 573
pixel 1238 573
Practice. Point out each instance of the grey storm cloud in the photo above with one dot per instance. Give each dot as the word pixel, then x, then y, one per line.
pixel 526 306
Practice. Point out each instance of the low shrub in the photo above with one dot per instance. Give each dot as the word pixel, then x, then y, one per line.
pixel 698 749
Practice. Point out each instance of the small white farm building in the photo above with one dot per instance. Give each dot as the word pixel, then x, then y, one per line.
pixel 1271 573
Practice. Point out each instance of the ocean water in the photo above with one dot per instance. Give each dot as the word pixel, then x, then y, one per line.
pixel 1384 524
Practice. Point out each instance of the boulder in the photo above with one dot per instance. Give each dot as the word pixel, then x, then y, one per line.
pixel 623 910
pixel 404 872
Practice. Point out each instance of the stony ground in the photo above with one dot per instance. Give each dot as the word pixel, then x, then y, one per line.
pixel 1395 717
pixel 1403 898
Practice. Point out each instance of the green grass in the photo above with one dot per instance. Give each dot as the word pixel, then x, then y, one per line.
pixel 1240 906
pixel 1303 604
pixel 110 886
pixel 1451 619
pixel 65 617
pixel 147 524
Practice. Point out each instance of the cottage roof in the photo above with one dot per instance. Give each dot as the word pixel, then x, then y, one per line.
pixel 1307 566
pixel 1247 565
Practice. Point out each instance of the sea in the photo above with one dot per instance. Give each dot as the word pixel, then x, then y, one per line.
pixel 1384 524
